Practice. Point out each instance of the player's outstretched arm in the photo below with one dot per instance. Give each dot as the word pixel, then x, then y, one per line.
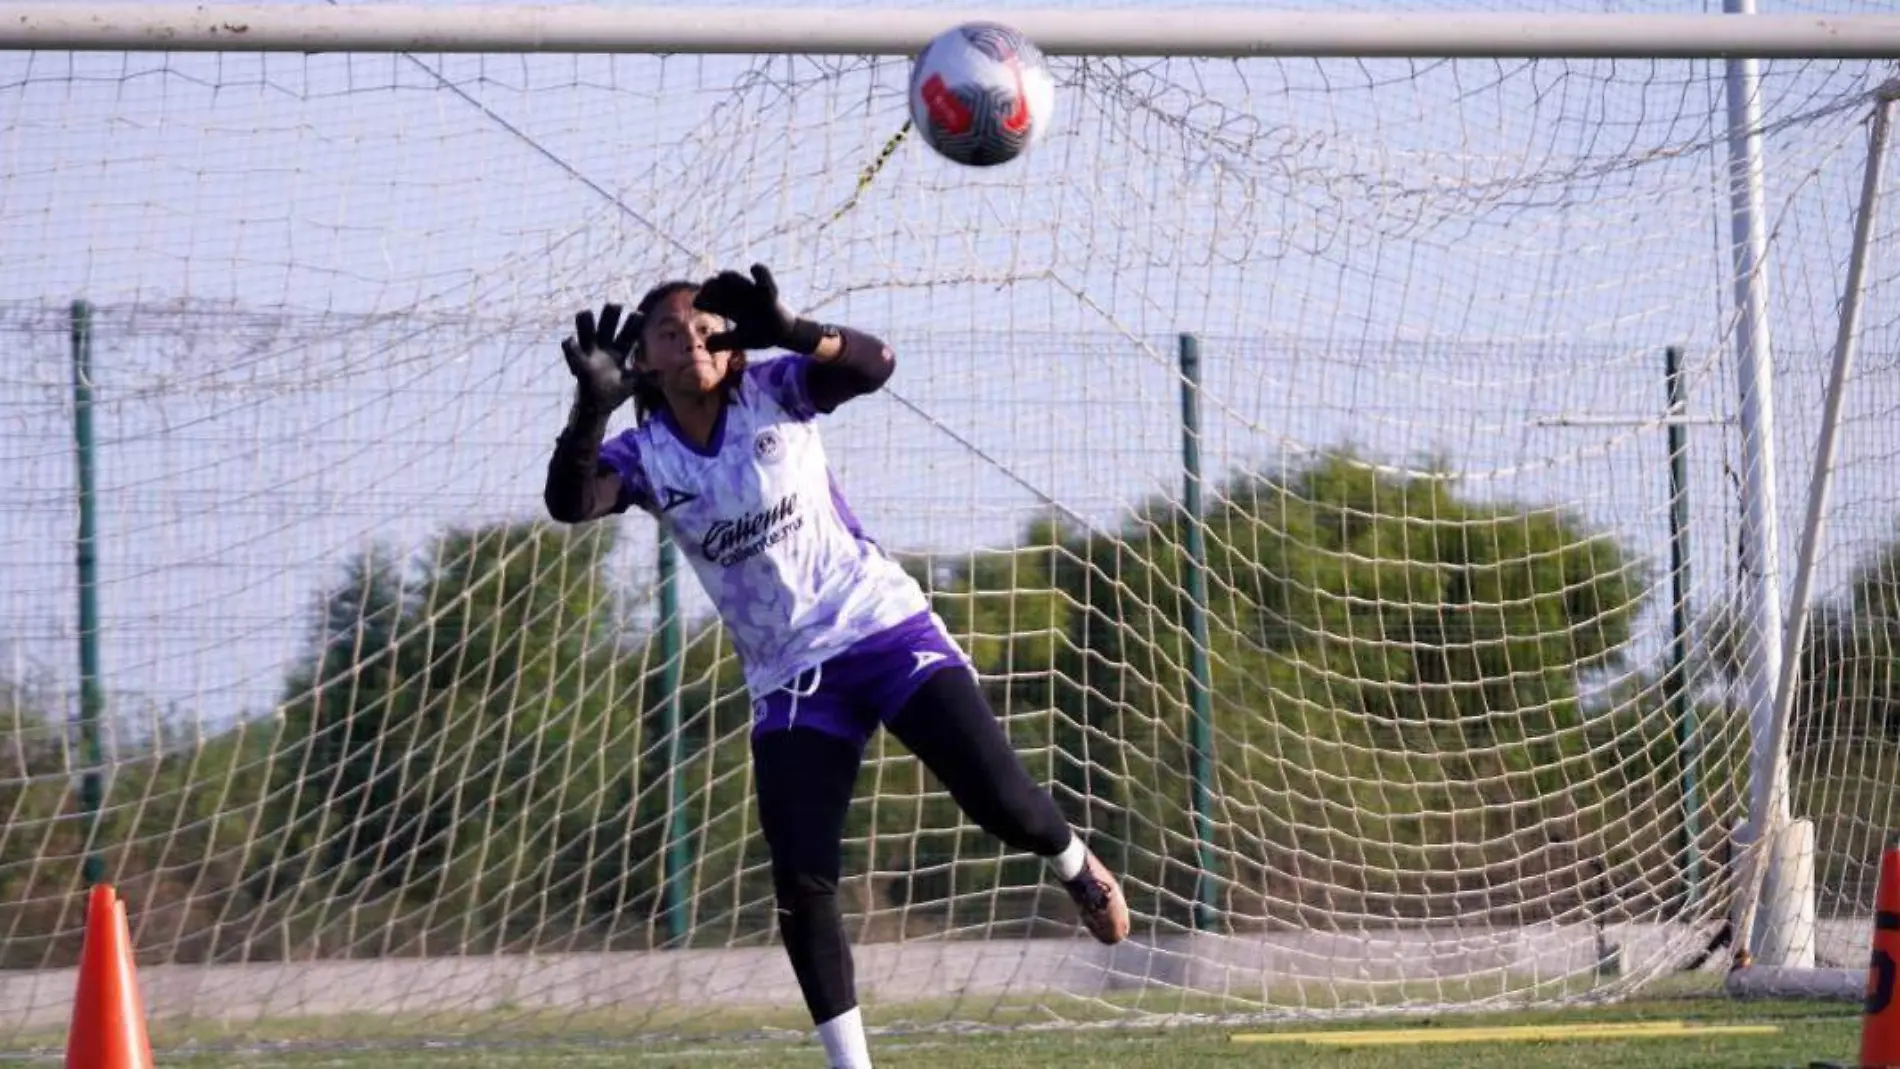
pixel 580 486
pixel 846 363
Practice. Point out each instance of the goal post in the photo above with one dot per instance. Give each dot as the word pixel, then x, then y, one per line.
pixel 1347 448
pixel 168 25
pixel 1781 879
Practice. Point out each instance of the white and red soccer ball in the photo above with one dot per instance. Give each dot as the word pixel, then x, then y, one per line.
pixel 981 94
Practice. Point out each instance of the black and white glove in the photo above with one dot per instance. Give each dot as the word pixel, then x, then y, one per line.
pixel 759 319
pixel 601 357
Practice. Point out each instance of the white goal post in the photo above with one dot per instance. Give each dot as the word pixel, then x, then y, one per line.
pixel 1348 449
pixel 872 30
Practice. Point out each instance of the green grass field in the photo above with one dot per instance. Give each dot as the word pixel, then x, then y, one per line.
pixel 1765 1034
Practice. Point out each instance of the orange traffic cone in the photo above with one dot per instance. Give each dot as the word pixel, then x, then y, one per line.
pixel 1880 1026
pixel 108 1026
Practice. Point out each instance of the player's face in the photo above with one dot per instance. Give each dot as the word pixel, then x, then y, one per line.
pixel 673 346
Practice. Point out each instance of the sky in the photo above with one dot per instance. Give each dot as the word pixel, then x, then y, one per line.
pixel 330 291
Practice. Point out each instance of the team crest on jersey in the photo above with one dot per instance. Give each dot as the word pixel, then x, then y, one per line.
pixel 768 447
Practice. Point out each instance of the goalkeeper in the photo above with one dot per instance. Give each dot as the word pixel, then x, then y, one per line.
pixel 835 638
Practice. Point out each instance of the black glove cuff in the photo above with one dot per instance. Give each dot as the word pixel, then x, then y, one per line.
pixel 804 336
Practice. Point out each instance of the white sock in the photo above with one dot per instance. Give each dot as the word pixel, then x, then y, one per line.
pixel 843 1037
pixel 1069 863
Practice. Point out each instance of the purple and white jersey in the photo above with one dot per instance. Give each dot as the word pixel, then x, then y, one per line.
pixel 761 520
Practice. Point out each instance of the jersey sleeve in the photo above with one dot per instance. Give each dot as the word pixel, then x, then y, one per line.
pixel 622 454
pixel 784 379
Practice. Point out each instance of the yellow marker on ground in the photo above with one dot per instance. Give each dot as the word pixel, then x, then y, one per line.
pixel 1536 1033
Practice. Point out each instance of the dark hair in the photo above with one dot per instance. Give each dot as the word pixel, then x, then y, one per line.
pixel 648 398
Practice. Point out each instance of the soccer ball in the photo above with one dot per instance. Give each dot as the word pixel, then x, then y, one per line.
pixel 981 94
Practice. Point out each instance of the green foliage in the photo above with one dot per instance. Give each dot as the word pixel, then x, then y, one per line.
pixel 727 882
pixel 1850 668
pixel 1395 686
pixel 1844 731
pixel 1421 706
pixel 177 814
pixel 463 756
pixel 39 807
pixel 1009 613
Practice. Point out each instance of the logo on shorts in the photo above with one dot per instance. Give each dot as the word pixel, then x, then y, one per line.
pixel 768 447
pixel 925 658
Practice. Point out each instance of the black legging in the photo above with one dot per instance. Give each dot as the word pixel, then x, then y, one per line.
pixel 805 779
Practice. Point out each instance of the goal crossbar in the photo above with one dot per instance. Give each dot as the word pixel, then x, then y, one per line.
pixel 600 28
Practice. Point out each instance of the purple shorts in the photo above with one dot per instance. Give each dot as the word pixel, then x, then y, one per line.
pixel 857 690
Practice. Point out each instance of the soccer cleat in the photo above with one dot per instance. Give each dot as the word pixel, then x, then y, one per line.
pixel 1098 897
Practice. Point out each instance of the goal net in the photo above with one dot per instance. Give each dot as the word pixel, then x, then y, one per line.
pixel 1290 441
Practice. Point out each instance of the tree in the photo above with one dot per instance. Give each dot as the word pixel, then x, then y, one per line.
pixel 1843 734
pixel 1005 608
pixel 172 827
pixel 1850 666
pixel 41 818
pixel 462 747
pixel 1395 685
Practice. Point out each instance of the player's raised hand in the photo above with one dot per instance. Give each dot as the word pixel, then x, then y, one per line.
pixel 759 319
pixel 601 355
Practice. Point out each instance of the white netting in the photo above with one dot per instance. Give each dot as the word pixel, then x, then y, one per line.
pixel 380 740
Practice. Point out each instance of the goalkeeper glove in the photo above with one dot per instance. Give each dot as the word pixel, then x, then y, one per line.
pixel 601 358
pixel 759 319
